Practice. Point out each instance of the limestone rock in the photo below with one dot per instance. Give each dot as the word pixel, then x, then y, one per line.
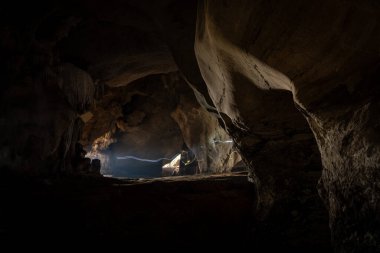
pixel 76 85
pixel 323 55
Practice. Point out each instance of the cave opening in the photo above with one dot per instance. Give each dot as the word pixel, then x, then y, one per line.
pixel 155 127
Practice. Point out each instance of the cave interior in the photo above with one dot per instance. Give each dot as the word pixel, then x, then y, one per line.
pixel 184 124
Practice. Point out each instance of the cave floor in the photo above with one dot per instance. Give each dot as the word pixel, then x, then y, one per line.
pixel 187 212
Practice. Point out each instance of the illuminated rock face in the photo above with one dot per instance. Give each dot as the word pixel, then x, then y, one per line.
pixel 172 168
pixel 258 57
pixel 151 119
pixel 142 127
pixel 66 65
pixel 98 150
pixel 202 133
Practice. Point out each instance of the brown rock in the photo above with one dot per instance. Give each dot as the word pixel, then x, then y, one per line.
pixel 257 57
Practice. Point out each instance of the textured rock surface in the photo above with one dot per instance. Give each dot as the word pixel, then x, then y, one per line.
pixel 76 54
pixel 204 136
pixel 40 119
pixel 326 53
pixel 152 118
pixel 69 65
pixel 146 129
pixel 116 53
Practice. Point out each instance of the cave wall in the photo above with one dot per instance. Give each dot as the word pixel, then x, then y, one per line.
pixel 206 138
pixel 59 62
pixel 138 115
pixel 202 133
pixel 152 118
pixel 117 42
pixel 324 56
pixel 41 101
pixel 259 62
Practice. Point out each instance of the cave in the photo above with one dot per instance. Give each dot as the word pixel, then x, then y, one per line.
pixel 188 124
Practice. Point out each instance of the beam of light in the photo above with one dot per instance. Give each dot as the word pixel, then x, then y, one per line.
pixel 143 159
pixel 227 141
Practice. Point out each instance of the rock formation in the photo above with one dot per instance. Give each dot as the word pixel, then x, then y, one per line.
pixel 291 83
pixel 257 57
pixel 71 67
pixel 152 118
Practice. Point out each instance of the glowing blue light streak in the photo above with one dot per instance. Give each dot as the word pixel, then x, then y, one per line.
pixel 227 141
pixel 143 159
